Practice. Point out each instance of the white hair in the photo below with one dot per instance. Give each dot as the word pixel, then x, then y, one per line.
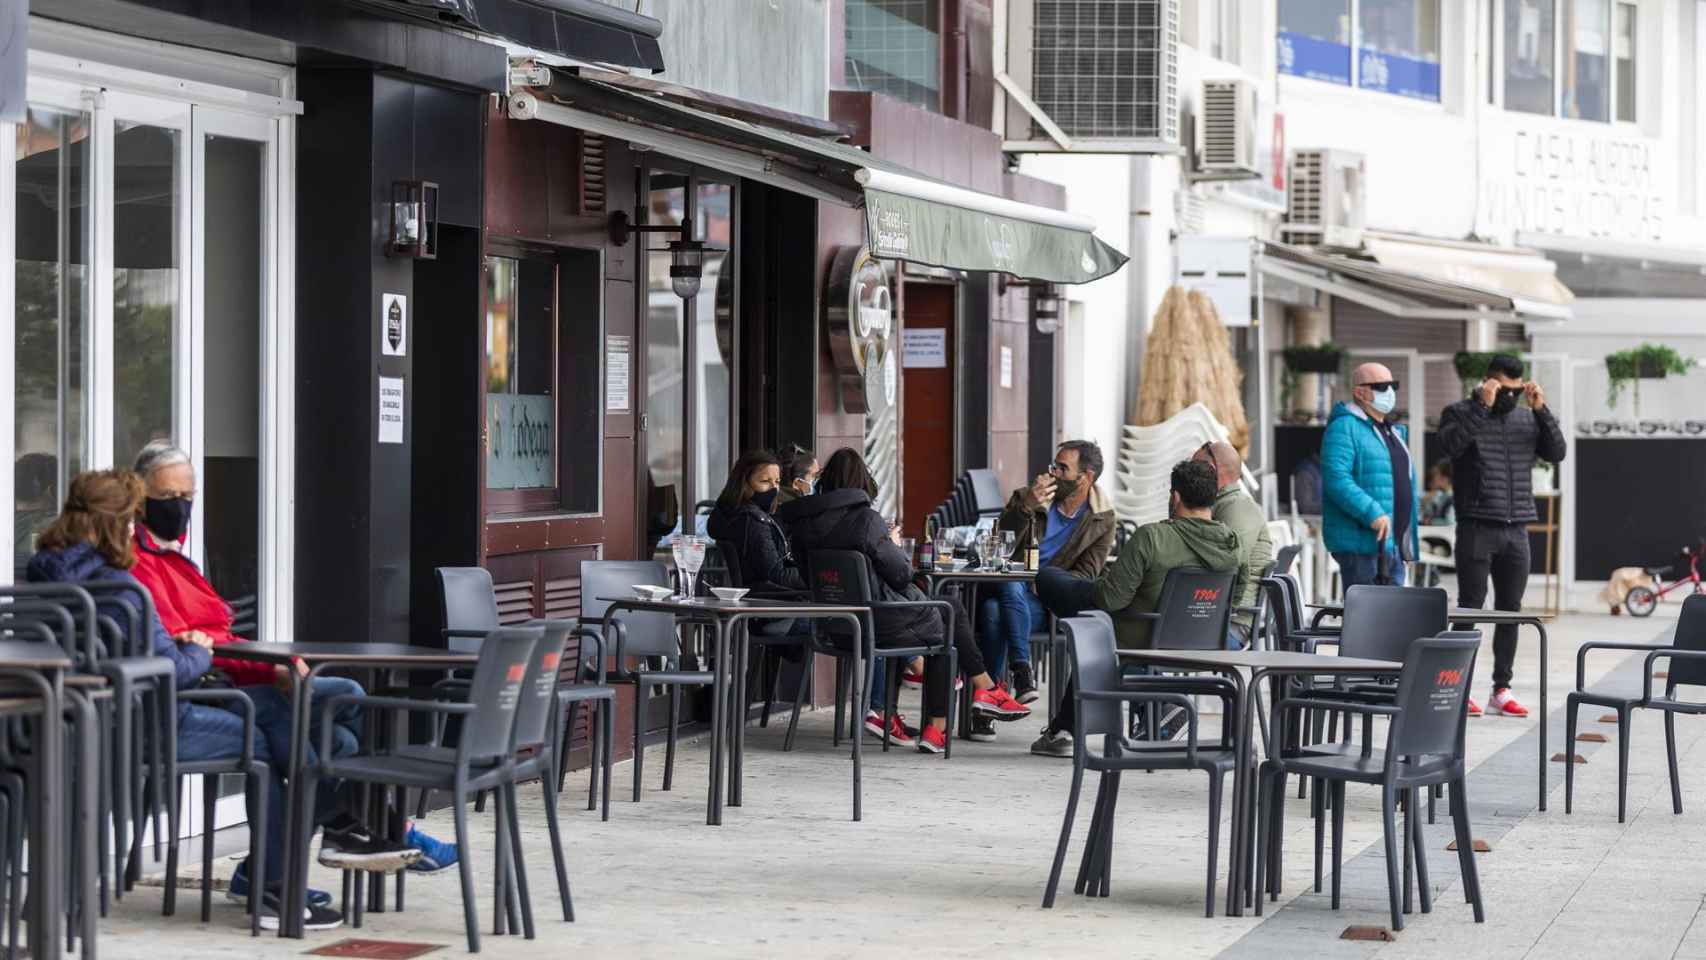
pixel 157 455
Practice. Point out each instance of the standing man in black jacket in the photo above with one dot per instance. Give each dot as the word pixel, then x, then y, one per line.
pixel 1493 443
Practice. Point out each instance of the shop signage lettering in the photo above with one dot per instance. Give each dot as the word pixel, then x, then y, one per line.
pixel 1003 244
pixel 1642 429
pixel 519 432
pixel 894 234
pixel 1575 184
pixel 394 325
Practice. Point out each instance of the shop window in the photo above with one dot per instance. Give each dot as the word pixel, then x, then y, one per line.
pixel 1569 58
pixel 666 400
pixel 893 47
pixel 1315 39
pixel 1587 60
pixel 52 315
pixel 146 166
pixel 1624 62
pixel 542 424
pixel 1398 47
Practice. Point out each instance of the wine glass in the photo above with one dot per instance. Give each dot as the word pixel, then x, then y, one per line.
pixel 1008 542
pixel 944 547
pixel 692 558
pixel 677 549
pixel 985 550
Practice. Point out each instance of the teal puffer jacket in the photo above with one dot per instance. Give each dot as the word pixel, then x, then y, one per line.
pixel 1356 482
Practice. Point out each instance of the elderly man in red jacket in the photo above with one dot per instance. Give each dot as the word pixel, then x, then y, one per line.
pixel 187 605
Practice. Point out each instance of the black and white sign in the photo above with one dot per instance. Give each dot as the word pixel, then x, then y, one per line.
pixel 394 325
pixel 616 374
pixel 390 409
pixel 924 349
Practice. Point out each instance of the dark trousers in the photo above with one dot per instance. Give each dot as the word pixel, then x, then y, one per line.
pixel 1064 594
pixel 938 682
pixel 1498 551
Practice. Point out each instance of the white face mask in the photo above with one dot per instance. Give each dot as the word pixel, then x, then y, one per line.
pixel 1385 400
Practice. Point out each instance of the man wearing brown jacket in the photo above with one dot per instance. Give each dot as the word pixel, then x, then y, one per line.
pixel 1071 523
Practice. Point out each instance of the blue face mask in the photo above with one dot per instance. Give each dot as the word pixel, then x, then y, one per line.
pixel 1385 400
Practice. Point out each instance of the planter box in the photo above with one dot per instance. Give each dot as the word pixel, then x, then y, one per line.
pixel 1314 363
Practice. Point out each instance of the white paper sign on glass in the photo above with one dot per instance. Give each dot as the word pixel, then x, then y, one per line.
pixel 390 409
pixel 616 374
pixel 520 431
pixel 1006 368
pixel 925 348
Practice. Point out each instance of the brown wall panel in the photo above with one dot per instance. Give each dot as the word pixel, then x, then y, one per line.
pixel 1007 457
pixel 1007 410
pixel 619 322
pixel 620 533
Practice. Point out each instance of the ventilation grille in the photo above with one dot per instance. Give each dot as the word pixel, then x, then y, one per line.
pixel 1220 125
pixel 1107 68
pixel 1189 208
pixel 592 173
pixel 563 598
pixel 515 601
pixel 1303 201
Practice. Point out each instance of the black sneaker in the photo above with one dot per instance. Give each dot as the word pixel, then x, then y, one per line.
pixel 313 917
pixel 982 728
pixel 348 845
pixel 1024 685
pixel 1173 719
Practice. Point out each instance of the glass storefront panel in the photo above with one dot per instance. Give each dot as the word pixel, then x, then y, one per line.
pixel 145 283
pixel 53 237
pixel 1315 39
pixel 1530 55
pixel 665 374
pixel 521 402
pixel 1398 47
pixel 893 47
pixel 1587 60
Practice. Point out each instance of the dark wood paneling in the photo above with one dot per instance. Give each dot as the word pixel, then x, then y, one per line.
pixel 620 532
pixel 927 429
pixel 518 177
pixel 619 322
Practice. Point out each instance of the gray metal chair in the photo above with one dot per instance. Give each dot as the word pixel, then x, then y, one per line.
pixel 1424 747
pixel 1100 692
pixel 1687 667
pixel 773 646
pixel 643 636
pixel 484 759
pixel 257 777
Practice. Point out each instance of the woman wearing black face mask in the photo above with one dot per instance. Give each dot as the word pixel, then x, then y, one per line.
pixel 746 530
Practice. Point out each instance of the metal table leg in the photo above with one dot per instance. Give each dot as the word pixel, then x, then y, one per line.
pixel 1240 799
pixel 719 722
pixel 1544 715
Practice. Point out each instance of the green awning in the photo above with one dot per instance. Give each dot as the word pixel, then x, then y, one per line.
pixel 907 216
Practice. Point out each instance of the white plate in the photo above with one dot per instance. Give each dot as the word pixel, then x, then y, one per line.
pixel 645 591
pixel 730 593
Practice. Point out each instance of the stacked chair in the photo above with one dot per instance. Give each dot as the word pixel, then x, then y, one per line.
pixel 976 496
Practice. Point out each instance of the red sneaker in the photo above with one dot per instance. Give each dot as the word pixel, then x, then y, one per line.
pixel 932 740
pixel 899 734
pixel 997 704
pixel 1474 708
pixel 1504 703
pixel 912 679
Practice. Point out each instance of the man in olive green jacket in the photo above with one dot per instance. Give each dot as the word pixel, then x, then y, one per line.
pixel 1131 585
pixel 1235 509
pixel 1070 523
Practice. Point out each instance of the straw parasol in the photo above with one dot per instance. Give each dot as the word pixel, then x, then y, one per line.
pixel 1188 360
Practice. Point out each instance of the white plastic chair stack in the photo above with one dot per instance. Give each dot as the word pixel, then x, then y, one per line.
pixel 1147 455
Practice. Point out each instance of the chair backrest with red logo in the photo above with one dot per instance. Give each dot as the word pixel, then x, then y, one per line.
pixel 1194 610
pixel 533 715
pixel 1433 694
pixel 499 681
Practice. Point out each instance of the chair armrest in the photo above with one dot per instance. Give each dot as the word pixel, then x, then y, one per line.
pixel 943 605
pixel 1670 653
pixel 1137 696
pixel 1140 616
pixel 1252 611
pixel 588 633
pixel 462 633
pixel 1322 613
pixel 331 704
pixel 1582 655
pixel 245 706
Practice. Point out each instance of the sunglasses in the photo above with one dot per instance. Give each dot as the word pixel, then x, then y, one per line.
pixel 1058 468
pixel 1382 386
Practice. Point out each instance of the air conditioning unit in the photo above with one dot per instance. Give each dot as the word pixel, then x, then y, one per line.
pixel 1226 130
pixel 1087 76
pixel 1328 200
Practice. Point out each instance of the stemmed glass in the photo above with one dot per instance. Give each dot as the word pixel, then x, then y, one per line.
pixel 944 548
pixel 985 550
pixel 1009 540
pixel 689 550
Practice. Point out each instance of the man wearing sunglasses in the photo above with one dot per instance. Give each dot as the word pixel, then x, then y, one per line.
pixel 1369 502
pixel 1493 441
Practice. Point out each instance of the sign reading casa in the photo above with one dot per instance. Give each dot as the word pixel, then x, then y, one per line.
pixel 1571 183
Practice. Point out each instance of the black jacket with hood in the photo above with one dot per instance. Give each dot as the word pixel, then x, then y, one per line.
pixel 844 520
pixel 1492 458
pixel 759 545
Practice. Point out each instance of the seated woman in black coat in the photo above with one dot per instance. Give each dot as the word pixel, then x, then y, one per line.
pixel 744 528
pixel 840 517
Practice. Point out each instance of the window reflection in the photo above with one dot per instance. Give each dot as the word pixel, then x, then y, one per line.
pixel 145 283
pixel 1587 59
pixel 1530 27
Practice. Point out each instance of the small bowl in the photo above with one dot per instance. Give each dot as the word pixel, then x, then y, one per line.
pixel 731 594
pixel 646 591
pixel 956 565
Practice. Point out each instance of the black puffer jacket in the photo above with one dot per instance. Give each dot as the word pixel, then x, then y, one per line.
pixel 759 547
pixel 1492 458
pixel 844 520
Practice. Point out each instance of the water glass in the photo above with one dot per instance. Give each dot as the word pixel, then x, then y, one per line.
pixel 910 547
pixel 689 552
pixel 1009 541
pixel 944 548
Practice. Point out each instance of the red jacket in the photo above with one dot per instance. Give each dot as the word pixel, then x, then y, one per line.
pixel 186 601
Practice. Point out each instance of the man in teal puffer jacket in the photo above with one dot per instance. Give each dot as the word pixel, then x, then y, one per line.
pixel 1369 492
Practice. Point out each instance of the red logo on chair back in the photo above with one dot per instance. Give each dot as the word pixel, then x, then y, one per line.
pixel 830 578
pixel 516 673
pixel 1205 595
pixel 551 660
pixel 1449 678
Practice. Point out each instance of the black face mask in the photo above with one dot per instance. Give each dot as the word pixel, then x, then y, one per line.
pixel 167 519
pixel 1505 402
pixel 1064 489
pixel 764 501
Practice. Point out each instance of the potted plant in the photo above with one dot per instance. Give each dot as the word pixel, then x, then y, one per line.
pixel 1649 361
pixel 1314 358
pixel 1472 367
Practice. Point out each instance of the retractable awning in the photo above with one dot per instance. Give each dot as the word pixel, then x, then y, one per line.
pixel 584 30
pixel 907 216
pixel 1427 285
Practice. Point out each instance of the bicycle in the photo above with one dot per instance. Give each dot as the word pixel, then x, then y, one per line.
pixel 1642 601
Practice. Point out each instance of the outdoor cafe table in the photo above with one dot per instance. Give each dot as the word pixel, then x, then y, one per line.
pixel 1262 665
pixel 940 579
pixel 728 720
pixel 1490 618
pixel 33 676
pixel 319 657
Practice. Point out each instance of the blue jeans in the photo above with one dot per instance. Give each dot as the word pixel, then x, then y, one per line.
pixel 1359 568
pixel 1007 620
pixel 1064 593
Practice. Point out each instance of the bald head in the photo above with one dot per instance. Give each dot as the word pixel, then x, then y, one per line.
pixel 1228 465
pixel 1370 373
pixel 1361 391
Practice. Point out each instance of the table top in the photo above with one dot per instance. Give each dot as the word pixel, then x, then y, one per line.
pixel 344 653
pixel 970 574
pixel 32 655
pixel 1460 614
pixel 1269 660
pixel 719 607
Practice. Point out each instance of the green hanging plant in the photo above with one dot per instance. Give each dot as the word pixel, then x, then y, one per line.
pixel 1649 361
pixel 1314 358
pixel 1472 367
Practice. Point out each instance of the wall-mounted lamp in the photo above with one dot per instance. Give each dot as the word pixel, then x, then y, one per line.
pixel 686 255
pixel 1045 306
pixel 414 219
